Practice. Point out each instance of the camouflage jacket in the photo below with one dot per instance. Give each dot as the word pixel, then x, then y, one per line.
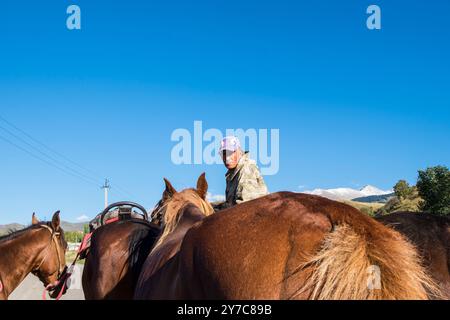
pixel 244 182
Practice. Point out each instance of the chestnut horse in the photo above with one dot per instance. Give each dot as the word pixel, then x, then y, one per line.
pixel 179 212
pixel 115 258
pixel 38 249
pixel 281 246
pixel 431 236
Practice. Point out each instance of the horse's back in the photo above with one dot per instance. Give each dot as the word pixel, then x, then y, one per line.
pixel 270 247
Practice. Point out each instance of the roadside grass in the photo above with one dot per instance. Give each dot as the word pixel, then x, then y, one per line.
pixel 70 256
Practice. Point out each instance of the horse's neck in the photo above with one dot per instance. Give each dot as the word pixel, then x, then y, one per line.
pixel 190 216
pixel 17 260
pixel 171 245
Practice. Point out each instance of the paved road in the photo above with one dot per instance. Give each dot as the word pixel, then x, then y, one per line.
pixel 31 288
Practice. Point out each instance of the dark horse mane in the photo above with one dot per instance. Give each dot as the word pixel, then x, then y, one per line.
pixel 140 246
pixel 15 234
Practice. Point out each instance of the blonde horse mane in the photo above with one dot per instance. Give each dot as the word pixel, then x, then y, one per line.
pixel 173 209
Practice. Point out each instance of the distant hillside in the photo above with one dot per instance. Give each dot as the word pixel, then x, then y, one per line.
pixel 411 203
pixel 369 208
pixel 375 198
pixel 67 226
pixel 8 228
pixel 70 226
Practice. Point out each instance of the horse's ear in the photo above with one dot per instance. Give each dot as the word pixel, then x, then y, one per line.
pixel 34 219
pixel 55 221
pixel 170 190
pixel 202 186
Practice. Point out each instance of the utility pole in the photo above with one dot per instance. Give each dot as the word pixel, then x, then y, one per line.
pixel 106 187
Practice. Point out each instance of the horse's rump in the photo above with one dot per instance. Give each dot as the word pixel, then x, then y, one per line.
pixel 296 246
pixel 117 253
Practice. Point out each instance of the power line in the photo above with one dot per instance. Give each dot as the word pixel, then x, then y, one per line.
pixel 48 156
pixel 47 147
pixel 45 161
pixel 94 177
pixel 123 191
pixel 73 174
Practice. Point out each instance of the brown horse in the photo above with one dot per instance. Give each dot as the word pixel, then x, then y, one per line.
pixel 283 246
pixel 116 255
pixel 179 211
pixel 431 236
pixel 39 249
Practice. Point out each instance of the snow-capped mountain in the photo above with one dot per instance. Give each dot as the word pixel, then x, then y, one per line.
pixel 348 193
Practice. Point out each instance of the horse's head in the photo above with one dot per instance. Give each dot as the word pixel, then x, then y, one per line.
pixel 51 262
pixel 165 212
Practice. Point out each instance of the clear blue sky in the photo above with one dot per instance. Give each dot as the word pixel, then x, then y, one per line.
pixel 353 106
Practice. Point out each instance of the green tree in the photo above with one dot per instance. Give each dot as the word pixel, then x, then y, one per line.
pixel 73 236
pixel 402 189
pixel 433 185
